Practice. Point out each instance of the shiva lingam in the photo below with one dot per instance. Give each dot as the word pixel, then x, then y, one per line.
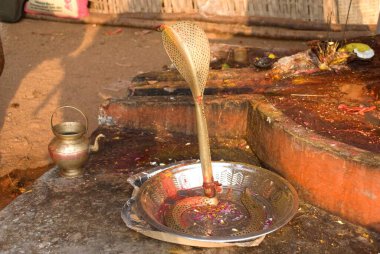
pixel 206 204
pixel 70 147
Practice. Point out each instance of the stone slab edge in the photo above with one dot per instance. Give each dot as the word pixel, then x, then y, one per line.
pixel 226 117
pixel 332 175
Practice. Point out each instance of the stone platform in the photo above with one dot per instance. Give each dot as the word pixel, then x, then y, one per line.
pixel 326 171
pixel 338 177
pixel 82 215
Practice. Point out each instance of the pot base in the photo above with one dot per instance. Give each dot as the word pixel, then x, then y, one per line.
pixel 71 173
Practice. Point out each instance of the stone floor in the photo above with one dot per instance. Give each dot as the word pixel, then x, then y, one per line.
pixel 82 215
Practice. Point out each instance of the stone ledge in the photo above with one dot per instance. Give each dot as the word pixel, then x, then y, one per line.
pixel 176 114
pixel 335 176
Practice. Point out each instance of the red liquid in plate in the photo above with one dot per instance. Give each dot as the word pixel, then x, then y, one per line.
pixel 228 217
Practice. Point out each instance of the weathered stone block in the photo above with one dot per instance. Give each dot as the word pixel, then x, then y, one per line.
pixel 226 115
pixel 337 177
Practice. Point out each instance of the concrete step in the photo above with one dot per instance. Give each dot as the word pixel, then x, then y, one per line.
pixel 226 117
pixel 338 177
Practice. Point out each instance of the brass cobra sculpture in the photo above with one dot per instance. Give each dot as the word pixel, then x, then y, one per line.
pixel 188 48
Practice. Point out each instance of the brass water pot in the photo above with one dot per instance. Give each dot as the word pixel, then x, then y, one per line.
pixel 70 148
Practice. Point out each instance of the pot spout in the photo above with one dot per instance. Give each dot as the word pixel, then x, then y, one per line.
pixel 95 146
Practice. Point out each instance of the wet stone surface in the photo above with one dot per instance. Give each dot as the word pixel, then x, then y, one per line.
pixel 82 215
